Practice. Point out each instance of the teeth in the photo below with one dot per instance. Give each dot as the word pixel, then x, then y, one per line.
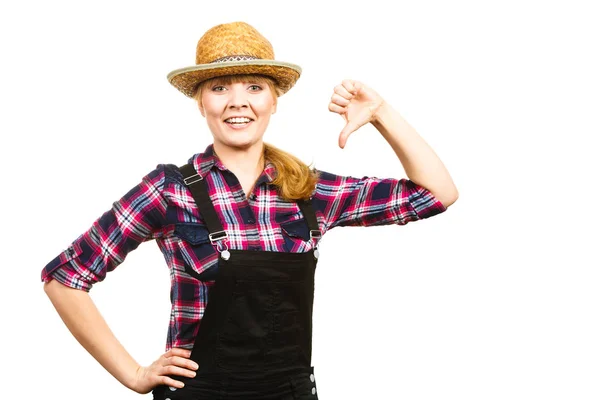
pixel 238 120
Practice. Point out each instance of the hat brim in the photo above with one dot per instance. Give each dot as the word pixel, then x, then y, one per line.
pixel 186 80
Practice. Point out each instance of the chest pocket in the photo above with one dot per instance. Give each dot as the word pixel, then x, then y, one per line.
pixel 296 236
pixel 199 256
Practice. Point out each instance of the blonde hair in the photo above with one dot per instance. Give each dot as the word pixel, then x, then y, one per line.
pixel 295 180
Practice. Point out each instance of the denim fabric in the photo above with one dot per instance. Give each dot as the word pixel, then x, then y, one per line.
pixel 298 386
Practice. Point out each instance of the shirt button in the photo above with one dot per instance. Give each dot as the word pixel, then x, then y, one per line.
pixel 172 388
pixel 312 378
pixel 313 391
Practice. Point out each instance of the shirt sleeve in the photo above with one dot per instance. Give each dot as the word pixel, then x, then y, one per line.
pixel 136 217
pixel 369 201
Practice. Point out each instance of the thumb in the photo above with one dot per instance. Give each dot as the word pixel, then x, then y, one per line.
pixel 346 132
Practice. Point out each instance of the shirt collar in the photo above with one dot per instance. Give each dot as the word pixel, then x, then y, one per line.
pixel 204 162
pixel 268 174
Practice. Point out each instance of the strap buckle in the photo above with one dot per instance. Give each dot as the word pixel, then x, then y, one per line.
pixel 192 179
pixel 315 234
pixel 221 235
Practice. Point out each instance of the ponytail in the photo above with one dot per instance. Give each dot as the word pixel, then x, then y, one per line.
pixel 295 180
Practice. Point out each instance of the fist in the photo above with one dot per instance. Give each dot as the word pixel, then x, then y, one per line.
pixel 356 103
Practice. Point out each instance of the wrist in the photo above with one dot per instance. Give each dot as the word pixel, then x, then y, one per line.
pixel 381 115
pixel 132 378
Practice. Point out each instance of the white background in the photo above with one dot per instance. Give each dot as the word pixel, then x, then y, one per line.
pixel 495 299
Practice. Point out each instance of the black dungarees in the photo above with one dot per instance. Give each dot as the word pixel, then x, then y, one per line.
pixel 255 338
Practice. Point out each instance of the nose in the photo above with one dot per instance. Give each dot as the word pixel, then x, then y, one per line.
pixel 238 97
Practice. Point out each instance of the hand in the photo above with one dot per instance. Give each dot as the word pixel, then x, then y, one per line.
pixel 174 362
pixel 356 103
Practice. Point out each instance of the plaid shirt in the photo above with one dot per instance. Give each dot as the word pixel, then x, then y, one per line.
pixel 161 207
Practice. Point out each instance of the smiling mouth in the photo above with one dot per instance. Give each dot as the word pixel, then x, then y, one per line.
pixel 239 121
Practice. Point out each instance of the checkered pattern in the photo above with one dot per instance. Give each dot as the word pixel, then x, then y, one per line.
pixel 162 208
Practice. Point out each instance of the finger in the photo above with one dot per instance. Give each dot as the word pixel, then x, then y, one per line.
pixel 165 380
pixel 337 109
pixel 175 370
pixel 350 86
pixel 346 132
pixel 181 361
pixel 339 100
pixel 178 351
pixel 342 91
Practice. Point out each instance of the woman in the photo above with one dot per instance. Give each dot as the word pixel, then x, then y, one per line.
pixel 239 226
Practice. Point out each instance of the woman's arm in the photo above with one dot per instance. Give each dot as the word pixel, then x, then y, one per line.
pixel 420 162
pixel 138 216
pixel 82 318
pixel 359 104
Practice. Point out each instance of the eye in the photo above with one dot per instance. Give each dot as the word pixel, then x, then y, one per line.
pixel 218 88
pixel 255 88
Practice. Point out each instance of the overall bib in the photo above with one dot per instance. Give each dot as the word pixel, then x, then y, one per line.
pixel 255 338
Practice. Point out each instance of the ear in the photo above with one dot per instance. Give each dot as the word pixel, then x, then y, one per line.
pixel 274 108
pixel 201 108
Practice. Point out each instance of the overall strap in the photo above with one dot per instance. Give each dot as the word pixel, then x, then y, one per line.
pixel 197 186
pixel 310 217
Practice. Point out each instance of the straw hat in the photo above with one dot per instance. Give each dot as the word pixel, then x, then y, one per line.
pixel 231 49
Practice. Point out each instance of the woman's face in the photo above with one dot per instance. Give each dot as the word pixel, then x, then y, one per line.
pixel 237 112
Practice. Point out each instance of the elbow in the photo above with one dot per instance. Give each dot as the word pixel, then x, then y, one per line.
pixel 53 286
pixel 447 197
pixel 50 286
pixel 444 191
